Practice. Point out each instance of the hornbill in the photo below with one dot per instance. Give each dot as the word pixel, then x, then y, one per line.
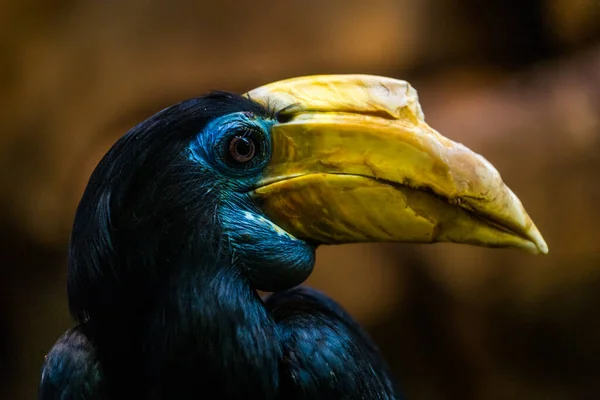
pixel 194 211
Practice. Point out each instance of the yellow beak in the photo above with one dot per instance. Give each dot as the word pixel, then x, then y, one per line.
pixel 354 161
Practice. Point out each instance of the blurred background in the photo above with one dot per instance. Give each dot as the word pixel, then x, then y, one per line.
pixel 515 80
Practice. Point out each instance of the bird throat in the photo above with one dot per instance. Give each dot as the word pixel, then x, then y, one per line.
pixel 211 326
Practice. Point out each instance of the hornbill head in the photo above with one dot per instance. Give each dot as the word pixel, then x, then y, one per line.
pixel 256 182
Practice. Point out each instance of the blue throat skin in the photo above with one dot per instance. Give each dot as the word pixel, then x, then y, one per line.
pixel 166 254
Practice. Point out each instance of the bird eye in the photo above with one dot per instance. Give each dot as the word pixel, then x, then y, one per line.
pixel 242 147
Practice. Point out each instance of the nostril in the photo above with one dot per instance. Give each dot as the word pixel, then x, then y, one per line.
pixel 286 113
pixel 283 118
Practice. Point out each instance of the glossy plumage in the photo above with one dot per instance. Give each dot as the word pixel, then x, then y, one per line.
pixel 166 254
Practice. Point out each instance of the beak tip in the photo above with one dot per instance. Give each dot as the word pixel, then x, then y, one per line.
pixel 542 247
pixel 538 244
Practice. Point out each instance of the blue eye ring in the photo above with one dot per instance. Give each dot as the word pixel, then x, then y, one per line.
pixel 237 145
pixel 243 150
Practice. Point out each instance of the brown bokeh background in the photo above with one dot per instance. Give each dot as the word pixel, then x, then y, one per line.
pixel 516 80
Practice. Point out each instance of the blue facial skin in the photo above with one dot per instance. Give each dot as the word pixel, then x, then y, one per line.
pixel 269 256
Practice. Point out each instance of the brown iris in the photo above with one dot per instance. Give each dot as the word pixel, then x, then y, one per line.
pixel 242 148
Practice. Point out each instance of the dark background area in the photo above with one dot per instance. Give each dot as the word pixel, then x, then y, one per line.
pixel 516 80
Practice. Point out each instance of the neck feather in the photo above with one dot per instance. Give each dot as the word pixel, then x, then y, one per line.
pixel 210 325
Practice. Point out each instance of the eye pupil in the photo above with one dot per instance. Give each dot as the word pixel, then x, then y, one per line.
pixel 242 148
